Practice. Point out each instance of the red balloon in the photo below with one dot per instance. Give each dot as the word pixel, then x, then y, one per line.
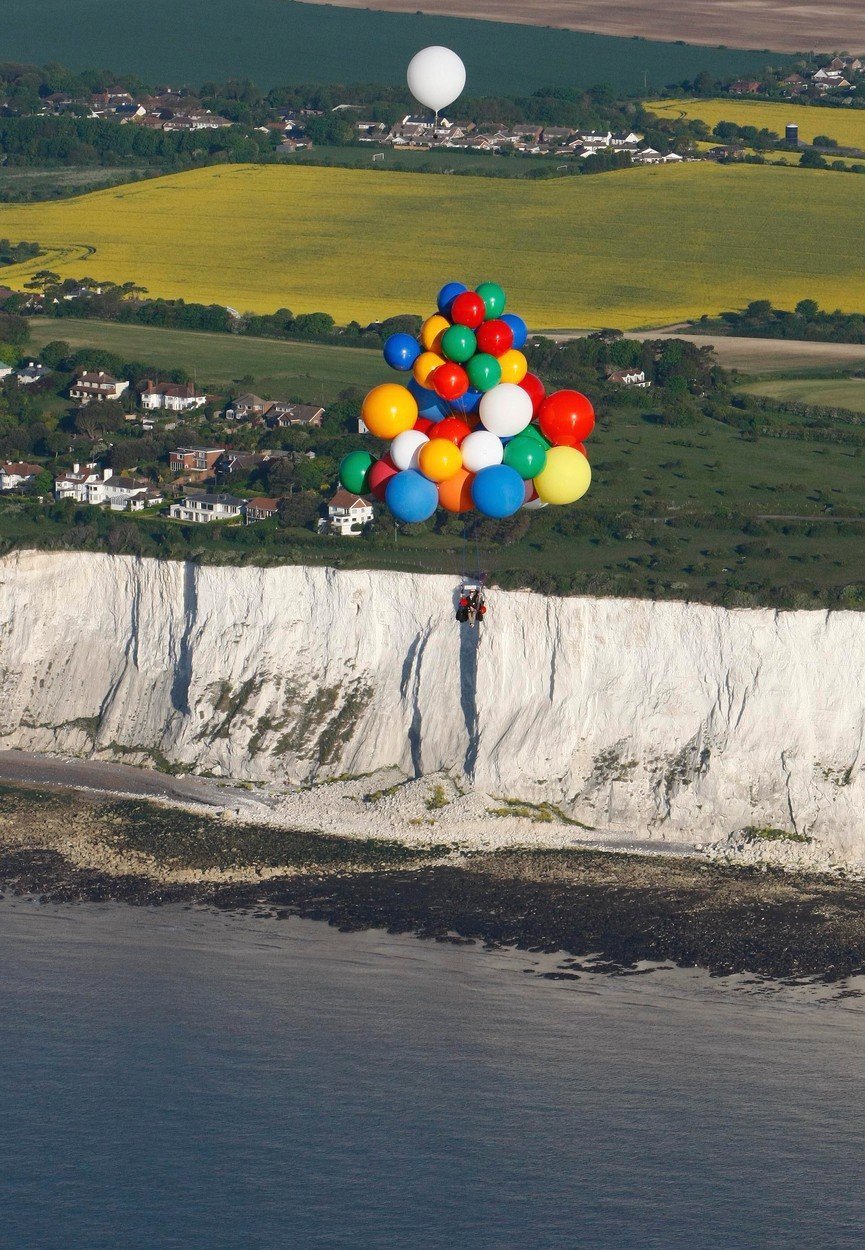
pixel 468 309
pixel 566 418
pixel 449 380
pixel 453 428
pixel 535 389
pixel 495 338
pixel 423 424
pixel 380 474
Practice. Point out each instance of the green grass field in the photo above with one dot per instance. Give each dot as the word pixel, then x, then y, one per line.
pixel 848 393
pixel 427 162
pixel 277 41
pixel 616 540
pixel 24 183
pixel 673 512
pixel 638 248
pixel 847 126
pixel 301 371
pixel 716 490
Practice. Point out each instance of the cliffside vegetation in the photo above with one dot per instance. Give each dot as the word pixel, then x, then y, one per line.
pixel 675 512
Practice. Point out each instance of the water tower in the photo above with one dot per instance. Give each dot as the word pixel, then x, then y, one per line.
pixel 792 137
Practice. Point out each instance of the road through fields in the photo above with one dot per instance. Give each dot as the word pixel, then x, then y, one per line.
pixel 756 356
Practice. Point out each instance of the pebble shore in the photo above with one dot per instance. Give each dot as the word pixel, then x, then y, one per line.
pixel 622 908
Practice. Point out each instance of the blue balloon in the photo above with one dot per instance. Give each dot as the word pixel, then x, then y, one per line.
pixel 429 405
pixel 401 351
pixel 497 491
pixel 413 497
pixel 470 402
pixel 519 328
pixel 448 294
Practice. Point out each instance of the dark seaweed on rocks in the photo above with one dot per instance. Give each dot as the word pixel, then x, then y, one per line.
pixel 625 908
pixel 186 839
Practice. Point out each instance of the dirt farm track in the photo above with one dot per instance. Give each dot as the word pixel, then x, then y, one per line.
pixel 783 25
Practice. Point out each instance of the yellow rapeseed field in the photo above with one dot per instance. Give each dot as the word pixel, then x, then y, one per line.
pixel 847 126
pixel 638 248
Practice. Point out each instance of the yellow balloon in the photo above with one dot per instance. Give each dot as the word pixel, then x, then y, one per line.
pixel 424 365
pixel 432 330
pixel 514 366
pixel 440 459
pixel 388 410
pixel 565 477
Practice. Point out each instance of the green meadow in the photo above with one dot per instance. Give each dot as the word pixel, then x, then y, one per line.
pixel 307 372
pixel 770 513
pixel 847 393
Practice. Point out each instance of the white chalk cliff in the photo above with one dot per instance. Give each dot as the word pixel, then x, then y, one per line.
pixel 666 718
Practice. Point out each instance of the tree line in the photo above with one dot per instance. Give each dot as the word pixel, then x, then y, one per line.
pixel 760 319
pixel 127 303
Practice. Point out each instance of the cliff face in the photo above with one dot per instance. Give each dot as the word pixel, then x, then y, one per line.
pixel 650 716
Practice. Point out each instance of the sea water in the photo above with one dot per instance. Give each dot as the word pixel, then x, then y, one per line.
pixel 178 1078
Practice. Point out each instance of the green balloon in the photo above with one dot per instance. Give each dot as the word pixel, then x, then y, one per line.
pixel 484 371
pixel 354 471
pixel 532 431
pixel 459 344
pixel 526 455
pixel 494 299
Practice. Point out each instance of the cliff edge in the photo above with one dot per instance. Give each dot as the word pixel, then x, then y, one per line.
pixel 667 719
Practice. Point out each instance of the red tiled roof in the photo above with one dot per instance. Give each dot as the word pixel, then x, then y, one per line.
pixel 343 499
pixel 93 379
pixel 177 389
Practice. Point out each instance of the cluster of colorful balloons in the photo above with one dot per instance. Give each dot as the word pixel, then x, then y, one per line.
pixel 472 428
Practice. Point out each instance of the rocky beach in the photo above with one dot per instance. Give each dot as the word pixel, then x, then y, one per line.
pixel 621 780
pixel 609 911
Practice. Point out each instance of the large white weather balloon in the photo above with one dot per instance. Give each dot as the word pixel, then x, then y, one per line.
pixel 436 76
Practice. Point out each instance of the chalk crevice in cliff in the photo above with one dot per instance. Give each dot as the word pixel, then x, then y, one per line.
pixel 661 717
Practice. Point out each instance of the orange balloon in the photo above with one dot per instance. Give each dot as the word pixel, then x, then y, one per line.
pixel 514 366
pixel 388 410
pixel 455 495
pixel 440 459
pixel 424 366
pixel 431 332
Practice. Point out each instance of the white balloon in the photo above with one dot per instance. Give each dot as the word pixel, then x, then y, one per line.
pixel 480 450
pixel 506 409
pixel 405 448
pixel 436 76
pixel 534 504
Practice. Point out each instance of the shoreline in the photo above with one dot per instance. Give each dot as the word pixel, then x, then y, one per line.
pixel 623 909
pixel 416 812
